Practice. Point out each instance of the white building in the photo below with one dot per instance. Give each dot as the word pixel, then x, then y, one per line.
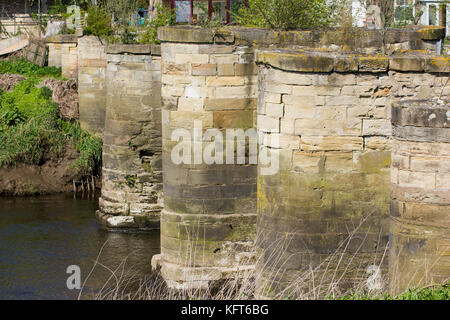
pixel 431 12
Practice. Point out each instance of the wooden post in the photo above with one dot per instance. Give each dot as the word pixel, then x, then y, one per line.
pixel 192 11
pixel 209 9
pixel 443 15
pixel 228 11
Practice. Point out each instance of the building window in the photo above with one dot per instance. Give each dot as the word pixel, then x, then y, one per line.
pixel 404 11
pixel 432 15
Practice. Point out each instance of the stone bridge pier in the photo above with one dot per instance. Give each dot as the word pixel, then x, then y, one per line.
pixel 132 168
pixel 359 194
pixel 420 202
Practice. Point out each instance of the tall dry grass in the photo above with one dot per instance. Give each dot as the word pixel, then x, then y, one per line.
pixel 327 279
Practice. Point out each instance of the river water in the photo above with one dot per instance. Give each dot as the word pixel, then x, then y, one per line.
pixel 41 236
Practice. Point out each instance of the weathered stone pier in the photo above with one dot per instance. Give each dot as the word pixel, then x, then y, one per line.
pixel 361 186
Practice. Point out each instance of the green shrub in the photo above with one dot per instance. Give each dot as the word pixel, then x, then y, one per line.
pixel 98 22
pixel 123 9
pixel 125 35
pixel 285 15
pixel 440 292
pixel 435 293
pixel 24 67
pixel 89 147
pixel 164 17
pixel 31 131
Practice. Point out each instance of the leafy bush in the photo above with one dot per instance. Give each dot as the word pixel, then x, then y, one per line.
pixel 29 128
pixel 28 69
pixel 284 15
pixel 164 17
pixel 436 293
pixel 125 35
pixel 440 292
pixel 31 131
pixel 89 147
pixel 123 9
pixel 98 22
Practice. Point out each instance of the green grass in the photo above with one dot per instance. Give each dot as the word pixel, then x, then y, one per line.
pixel 440 292
pixel 24 67
pixel 31 131
pixel 89 147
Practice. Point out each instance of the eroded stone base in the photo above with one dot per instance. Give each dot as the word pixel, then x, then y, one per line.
pixel 137 222
pixel 198 278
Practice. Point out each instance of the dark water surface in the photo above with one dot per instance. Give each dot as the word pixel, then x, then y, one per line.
pixel 41 236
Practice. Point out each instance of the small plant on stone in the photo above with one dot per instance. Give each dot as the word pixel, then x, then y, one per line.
pixel 130 180
pixel 98 22
pixel 164 17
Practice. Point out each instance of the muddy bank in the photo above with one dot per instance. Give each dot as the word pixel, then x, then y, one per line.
pixel 53 176
pixel 49 178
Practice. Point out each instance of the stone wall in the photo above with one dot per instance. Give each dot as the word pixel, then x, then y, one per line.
pixel 327 119
pixel 321 101
pixel 92 83
pixel 209 76
pixel 420 205
pixel 63 53
pixel 132 169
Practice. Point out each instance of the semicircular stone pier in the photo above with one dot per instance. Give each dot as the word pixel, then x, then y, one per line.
pixel 323 217
pixel 420 204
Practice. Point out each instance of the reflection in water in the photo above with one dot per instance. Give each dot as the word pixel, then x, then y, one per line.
pixel 41 236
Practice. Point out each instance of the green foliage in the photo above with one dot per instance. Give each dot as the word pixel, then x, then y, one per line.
pixel 164 17
pixel 404 16
pixel 130 180
pixel 235 7
pixel 59 7
pixel 29 128
pixel 31 131
pixel 123 9
pixel 89 147
pixel 66 30
pixel 24 67
pixel 441 292
pixel 436 293
pixel 125 35
pixel 285 15
pixel 98 22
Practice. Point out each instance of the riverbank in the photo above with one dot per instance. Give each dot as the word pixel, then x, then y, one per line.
pixel 43 150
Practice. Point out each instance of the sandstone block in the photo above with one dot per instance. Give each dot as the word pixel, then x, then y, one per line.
pixel 204 69
pixel 268 124
pixel 316 91
pixel 376 127
pixel 230 103
pixel 225 81
pixel 225 69
pixel 310 143
pixel 195 58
